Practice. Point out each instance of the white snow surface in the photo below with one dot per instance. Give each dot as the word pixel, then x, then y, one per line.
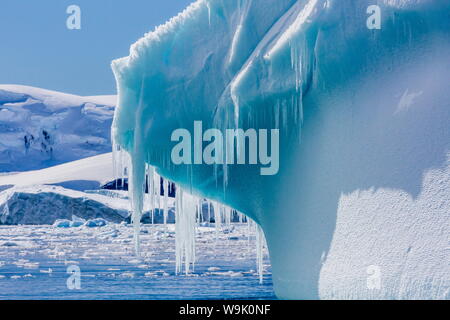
pixel 43 196
pixel 88 173
pixel 40 128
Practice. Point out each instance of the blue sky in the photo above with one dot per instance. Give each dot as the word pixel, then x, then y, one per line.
pixel 37 49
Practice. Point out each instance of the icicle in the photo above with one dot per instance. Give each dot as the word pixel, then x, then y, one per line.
pixel 209 212
pixel 119 168
pixel 178 236
pixel 136 194
pixel 209 13
pixel 217 216
pixel 185 231
pixel 147 195
pixel 166 196
pixel 227 215
pixel 260 241
pixel 115 156
pixel 125 163
pixel 150 182
pixel 249 224
pixel 200 211
pixel 158 193
pixel 155 193
pixel 137 180
pixel 221 214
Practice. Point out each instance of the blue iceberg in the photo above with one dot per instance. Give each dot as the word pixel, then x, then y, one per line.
pixel 360 205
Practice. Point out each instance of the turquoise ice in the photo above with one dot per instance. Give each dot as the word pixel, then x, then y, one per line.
pixel 360 207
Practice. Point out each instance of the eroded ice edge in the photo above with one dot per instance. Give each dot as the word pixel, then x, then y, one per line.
pixel 334 88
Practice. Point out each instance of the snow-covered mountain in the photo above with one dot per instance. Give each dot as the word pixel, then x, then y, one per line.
pixel 40 128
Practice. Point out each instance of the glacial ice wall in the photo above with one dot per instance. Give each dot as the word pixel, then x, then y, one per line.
pixel 360 207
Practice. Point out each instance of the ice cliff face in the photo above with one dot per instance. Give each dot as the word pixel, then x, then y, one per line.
pixel 46 204
pixel 360 207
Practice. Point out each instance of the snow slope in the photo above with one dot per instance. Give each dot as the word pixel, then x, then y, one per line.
pixel 84 174
pixel 361 205
pixel 40 128
pixel 73 188
pixel 43 196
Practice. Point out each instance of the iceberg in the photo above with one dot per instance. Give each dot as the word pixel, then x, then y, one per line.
pixel 360 206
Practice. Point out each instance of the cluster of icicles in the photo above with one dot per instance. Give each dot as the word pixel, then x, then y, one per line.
pixel 188 214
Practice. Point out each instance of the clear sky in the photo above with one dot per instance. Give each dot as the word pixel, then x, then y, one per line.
pixel 37 49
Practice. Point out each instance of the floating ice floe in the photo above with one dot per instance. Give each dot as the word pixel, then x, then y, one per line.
pixel 94 223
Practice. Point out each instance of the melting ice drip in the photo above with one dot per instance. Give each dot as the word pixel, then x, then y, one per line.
pixel 188 213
